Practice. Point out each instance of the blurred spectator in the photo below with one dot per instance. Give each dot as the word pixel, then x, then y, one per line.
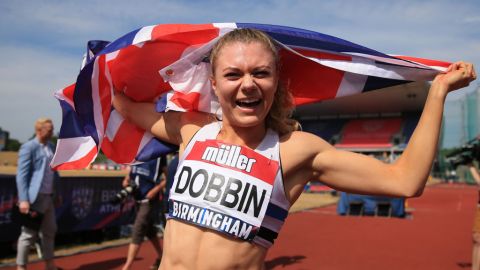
pixel 35 185
pixel 145 182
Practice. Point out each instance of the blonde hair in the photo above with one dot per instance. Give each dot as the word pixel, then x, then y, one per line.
pixel 41 121
pixel 278 117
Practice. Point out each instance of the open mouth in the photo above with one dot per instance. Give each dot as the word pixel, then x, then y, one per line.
pixel 248 103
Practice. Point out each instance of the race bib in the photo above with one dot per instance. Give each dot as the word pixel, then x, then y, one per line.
pixel 223 187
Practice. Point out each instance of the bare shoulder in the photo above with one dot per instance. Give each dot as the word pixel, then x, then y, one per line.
pixel 190 122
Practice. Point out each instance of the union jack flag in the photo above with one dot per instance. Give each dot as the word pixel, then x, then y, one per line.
pixel 154 60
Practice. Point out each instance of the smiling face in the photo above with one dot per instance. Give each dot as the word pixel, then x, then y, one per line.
pixel 245 80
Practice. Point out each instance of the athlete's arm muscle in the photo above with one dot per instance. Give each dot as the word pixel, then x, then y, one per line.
pixel 306 157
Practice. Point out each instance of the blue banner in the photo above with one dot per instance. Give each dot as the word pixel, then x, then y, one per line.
pixel 81 204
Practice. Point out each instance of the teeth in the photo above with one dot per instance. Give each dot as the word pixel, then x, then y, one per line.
pixel 248 102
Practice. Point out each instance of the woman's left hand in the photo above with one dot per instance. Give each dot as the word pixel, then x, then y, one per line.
pixel 458 75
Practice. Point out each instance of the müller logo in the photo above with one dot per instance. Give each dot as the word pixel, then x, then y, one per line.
pixel 229 155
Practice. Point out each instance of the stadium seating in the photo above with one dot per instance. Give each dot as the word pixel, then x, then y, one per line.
pixel 364 133
pixel 410 122
pixel 370 133
pixel 371 136
pixel 326 129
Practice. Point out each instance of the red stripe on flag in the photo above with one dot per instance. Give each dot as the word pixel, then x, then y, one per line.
pixel 188 101
pixel 307 80
pixel 135 69
pixel 424 61
pixel 79 163
pixel 190 34
pixel 69 91
pixel 125 144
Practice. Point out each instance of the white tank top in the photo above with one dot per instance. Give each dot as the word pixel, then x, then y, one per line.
pixel 231 189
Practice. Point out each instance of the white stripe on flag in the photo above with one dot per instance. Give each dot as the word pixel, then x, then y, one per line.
pixel 108 76
pixel 351 84
pixel 225 27
pixel 97 106
pixel 111 56
pixel 193 79
pixel 366 65
pixel 369 67
pixel 113 124
pixel 176 71
pixel 59 95
pixel 72 149
pixel 143 35
pixel 394 61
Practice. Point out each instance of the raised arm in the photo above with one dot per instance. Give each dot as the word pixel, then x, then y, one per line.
pixel 144 115
pixel 416 161
pixel 172 127
pixel 358 173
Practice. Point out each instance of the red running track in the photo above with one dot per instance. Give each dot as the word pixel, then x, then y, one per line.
pixel 437 236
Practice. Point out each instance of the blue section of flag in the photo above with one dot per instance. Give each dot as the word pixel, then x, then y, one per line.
pixel 309 39
pixel 155 148
pixel 124 41
pixel 374 83
pixel 94 47
pixel 161 104
pixel 83 101
pixel 71 126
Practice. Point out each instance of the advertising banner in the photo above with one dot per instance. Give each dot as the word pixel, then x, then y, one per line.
pixel 81 204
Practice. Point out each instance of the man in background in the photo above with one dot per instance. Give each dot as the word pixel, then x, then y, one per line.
pixel 145 180
pixel 35 186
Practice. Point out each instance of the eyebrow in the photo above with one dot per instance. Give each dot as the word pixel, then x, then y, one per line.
pixel 256 68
